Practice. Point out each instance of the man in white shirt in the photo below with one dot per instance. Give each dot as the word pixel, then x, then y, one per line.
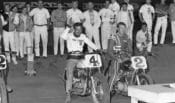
pixel 162 21
pixel 41 20
pixel 75 42
pixel 131 11
pixel 124 16
pixel 106 15
pixel 92 23
pixel 74 15
pixel 143 40
pixel 10 20
pixel 115 7
pixel 147 15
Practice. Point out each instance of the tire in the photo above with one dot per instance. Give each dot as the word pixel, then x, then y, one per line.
pixel 144 79
pixel 3 92
pixel 103 86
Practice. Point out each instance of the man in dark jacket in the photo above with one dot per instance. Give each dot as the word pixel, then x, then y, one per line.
pixel 119 44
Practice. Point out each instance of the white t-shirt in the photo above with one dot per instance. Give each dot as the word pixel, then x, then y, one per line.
pixel 123 16
pixel 115 7
pixel 76 15
pixel 40 16
pixel 106 14
pixel 147 11
pixel 76 43
pixel 141 36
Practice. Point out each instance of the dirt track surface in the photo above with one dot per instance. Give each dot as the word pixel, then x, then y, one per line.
pixel 47 86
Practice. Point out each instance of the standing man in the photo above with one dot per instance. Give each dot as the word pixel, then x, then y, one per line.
pixel 115 7
pixel 58 18
pixel 172 19
pixel 1 31
pixel 162 15
pixel 124 16
pixel 106 15
pixel 147 15
pixel 92 24
pixel 25 27
pixel 14 12
pixel 74 15
pixel 9 20
pixel 131 12
pixel 41 21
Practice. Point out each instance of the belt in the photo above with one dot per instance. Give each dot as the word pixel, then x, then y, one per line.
pixel 40 25
pixel 75 55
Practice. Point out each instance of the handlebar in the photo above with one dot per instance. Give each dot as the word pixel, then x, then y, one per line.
pixel 94 52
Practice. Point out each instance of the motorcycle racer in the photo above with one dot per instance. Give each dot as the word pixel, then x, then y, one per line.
pixel 119 44
pixel 75 42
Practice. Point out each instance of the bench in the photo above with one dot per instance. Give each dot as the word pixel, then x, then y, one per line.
pixel 158 93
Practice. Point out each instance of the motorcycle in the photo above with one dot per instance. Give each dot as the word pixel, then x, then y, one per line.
pixel 88 79
pixel 3 89
pixel 130 72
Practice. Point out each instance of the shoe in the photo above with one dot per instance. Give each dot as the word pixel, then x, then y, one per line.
pixel 161 45
pixel 155 45
pixel 150 54
pixel 9 90
pixel 68 98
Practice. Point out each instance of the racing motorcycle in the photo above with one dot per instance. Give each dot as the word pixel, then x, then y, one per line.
pixel 3 90
pixel 88 79
pixel 130 72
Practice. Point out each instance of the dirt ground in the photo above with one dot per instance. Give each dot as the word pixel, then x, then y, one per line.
pixel 47 86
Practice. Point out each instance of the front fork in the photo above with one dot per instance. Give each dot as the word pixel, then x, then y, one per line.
pixel 135 77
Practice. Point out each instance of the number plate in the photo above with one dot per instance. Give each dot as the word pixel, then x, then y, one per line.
pixel 139 62
pixel 90 61
pixel 3 62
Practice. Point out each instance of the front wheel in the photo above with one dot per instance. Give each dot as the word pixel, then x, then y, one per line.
pixel 143 79
pixel 100 89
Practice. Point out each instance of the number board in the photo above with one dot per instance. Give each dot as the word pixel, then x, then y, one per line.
pixel 139 62
pixel 90 61
pixel 3 62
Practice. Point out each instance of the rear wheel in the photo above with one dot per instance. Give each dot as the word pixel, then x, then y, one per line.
pixel 100 89
pixel 3 91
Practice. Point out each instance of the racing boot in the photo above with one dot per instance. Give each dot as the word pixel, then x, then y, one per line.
pixel 68 98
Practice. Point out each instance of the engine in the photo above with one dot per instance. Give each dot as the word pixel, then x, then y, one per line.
pixel 80 82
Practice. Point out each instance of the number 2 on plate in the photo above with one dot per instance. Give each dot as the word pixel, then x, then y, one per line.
pixel 139 62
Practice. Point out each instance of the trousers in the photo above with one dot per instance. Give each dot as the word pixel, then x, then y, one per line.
pixel 71 63
pixel 57 33
pixel 161 23
pixel 9 41
pixel 41 31
pixel 149 25
pixel 173 30
pixel 25 39
pixel 106 32
pixel 141 47
pixel 93 33
pixel 17 43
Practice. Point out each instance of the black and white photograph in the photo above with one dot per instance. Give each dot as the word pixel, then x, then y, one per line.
pixel 87 51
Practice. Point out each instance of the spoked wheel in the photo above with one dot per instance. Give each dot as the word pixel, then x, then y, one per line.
pixel 3 91
pixel 143 79
pixel 100 89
